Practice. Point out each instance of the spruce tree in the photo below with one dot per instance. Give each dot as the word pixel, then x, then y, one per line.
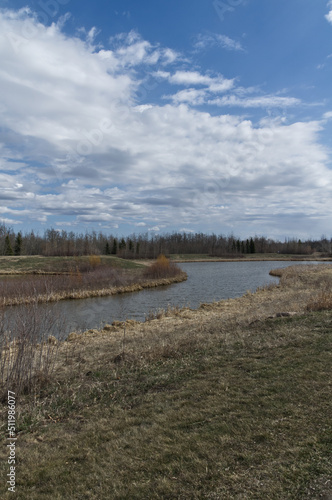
pixel 18 244
pixel 122 244
pixel 114 247
pixel 8 247
pixel 107 248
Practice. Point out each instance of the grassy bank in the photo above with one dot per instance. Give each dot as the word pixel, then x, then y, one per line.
pixel 51 279
pixel 230 401
pixel 248 257
pixel 37 264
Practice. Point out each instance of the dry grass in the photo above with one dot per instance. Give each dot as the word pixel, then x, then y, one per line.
pixel 162 268
pixel 228 401
pixel 322 302
pixel 22 289
pixel 91 278
pixel 28 349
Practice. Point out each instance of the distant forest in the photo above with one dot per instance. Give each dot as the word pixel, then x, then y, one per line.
pixel 63 243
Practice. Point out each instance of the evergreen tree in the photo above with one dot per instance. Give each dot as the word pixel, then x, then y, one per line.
pixel 8 247
pixel 247 246
pixel 107 248
pixel 114 247
pixel 18 244
pixel 252 246
pixel 122 244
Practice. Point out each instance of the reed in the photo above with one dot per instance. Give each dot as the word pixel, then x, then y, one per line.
pixel 162 268
pixel 28 348
pixel 321 302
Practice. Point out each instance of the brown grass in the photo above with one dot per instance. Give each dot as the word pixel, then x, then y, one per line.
pixel 28 348
pixel 231 400
pixel 322 302
pixel 162 268
pixel 90 279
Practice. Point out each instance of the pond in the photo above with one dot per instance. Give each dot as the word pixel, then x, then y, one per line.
pixel 207 282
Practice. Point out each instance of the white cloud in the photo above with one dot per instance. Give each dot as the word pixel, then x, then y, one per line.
pixel 213 84
pixel 131 50
pixel 327 115
pixel 265 101
pixel 5 220
pixel 80 150
pixel 329 15
pixel 195 97
pixel 213 39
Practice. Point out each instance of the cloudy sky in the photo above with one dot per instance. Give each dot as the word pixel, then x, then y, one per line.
pixel 196 115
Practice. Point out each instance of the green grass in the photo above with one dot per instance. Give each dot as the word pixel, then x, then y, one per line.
pixel 37 263
pixel 245 414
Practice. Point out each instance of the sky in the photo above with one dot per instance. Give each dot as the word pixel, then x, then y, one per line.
pixel 156 116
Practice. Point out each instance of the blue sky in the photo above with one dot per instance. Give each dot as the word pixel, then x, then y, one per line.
pixel 161 116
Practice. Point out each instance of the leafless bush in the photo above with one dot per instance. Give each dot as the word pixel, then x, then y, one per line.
pixel 28 347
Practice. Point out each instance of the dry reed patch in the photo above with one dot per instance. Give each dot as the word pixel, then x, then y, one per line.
pixel 162 268
pixel 28 350
pixel 322 302
pixel 97 282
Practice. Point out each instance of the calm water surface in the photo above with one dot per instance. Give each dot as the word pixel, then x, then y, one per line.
pixel 207 281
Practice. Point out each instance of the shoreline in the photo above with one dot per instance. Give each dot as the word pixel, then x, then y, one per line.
pixel 289 297
pixel 104 292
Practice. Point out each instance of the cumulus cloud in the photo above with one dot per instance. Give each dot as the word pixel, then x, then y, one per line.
pixel 77 148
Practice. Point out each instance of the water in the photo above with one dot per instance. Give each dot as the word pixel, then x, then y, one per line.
pixel 207 281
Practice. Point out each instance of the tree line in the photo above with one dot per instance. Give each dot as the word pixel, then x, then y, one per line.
pixel 62 243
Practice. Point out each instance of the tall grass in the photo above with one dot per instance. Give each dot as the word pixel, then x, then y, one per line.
pixel 19 288
pixel 162 268
pixel 321 302
pixel 27 347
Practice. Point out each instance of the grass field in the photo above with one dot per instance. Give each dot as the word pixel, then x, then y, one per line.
pixel 231 401
pixel 39 264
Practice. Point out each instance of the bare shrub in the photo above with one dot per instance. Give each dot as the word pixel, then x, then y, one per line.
pixel 162 268
pixel 28 347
